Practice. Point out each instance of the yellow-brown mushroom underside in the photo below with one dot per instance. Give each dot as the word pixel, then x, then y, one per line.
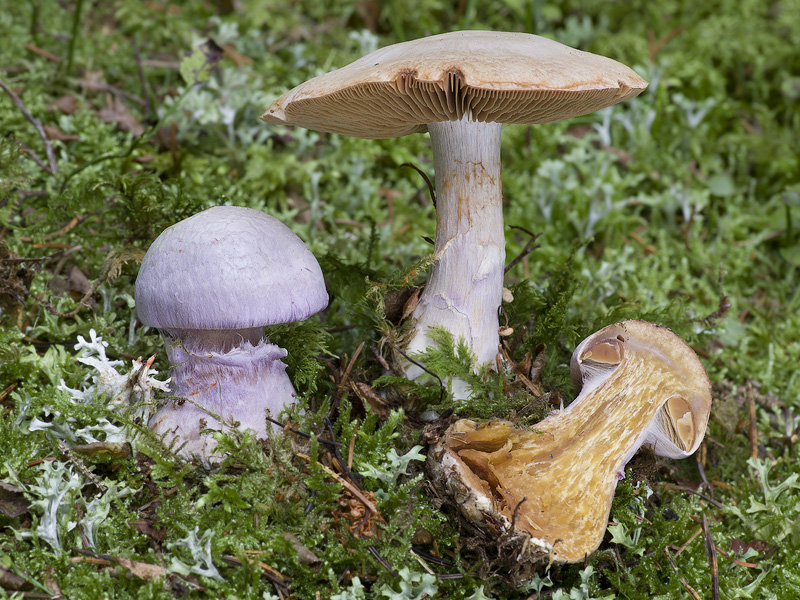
pixel 556 481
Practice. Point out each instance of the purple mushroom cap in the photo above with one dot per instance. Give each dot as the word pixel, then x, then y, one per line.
pixel 228 268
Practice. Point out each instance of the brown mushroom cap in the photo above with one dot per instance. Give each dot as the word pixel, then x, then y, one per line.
pixel 492 76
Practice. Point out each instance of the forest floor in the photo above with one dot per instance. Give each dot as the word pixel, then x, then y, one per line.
pixel 680 207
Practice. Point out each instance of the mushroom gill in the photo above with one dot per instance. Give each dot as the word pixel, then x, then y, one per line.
pixel 553 484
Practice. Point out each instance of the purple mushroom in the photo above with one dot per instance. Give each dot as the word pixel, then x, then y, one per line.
pixel 210 284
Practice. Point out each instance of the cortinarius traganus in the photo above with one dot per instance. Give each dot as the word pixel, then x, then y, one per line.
pixel 460 87
pixel 639 383
pixel 210 284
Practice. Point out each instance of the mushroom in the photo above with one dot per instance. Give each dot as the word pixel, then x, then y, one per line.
pixel 460 87
pixel 550 487
pixel 210 284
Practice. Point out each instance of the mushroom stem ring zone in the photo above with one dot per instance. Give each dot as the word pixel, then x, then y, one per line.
pixel 235 381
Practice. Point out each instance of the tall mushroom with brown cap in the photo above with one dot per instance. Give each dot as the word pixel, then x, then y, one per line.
pixel 210 284
pixel 460 87
pixel 550 487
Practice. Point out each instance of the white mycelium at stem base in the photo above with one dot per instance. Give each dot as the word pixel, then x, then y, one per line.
pixel 465 286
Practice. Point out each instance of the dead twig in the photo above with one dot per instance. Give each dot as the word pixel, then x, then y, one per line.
pixel 683 488
pixel 431 558
pixel 288 429
pixel 532 387
pixel 711 553
pixel 688 542
pixel 421 366
pixel 48 146
pixel 270 573
pixel 751 405
pixel 700 458
pixel 43 53
pixel 350 449
pixel 81 466
pixel 431 190
pixel 22 259
pixel 341 385
pixel 335 455
pixel 31 153
pixel 67 228
pixel 683 581
pixel 516 512
pixel 347 485
pixel 656 45
pixel 723 306
pixel 422 562
pixel 11 387
pixel 381 560
pixel 529 247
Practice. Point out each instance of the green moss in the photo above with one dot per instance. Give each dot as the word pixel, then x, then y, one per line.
pixel 678 207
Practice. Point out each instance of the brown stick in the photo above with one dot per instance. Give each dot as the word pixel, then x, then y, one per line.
pixel 686 544
pixel 11 388
pixel 381 560
pixel 347 485
pixel 44 53
pixel 269 572
pixel 682 488
pixel 751 405
pixel 711 553
pixel 31 153
pixel 683 581
pixel 342 385
pixel 51 157
pixel 529 247
pixel 431 190
pixel 421 366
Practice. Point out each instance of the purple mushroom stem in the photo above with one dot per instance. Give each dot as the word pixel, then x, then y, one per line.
pixel 223 373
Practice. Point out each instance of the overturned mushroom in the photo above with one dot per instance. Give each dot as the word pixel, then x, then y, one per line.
pixel 210 284
pixel 550 487
pixel 461 87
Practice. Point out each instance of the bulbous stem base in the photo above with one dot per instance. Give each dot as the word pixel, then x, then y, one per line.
pixel 221 380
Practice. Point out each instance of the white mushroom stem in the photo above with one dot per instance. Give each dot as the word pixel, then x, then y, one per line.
pixel 237 375
pixel 465 285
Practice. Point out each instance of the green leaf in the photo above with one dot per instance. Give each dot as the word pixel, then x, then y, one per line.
pixel 721 185
pixel 198 63
pixel 620 535
pixel 791 255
